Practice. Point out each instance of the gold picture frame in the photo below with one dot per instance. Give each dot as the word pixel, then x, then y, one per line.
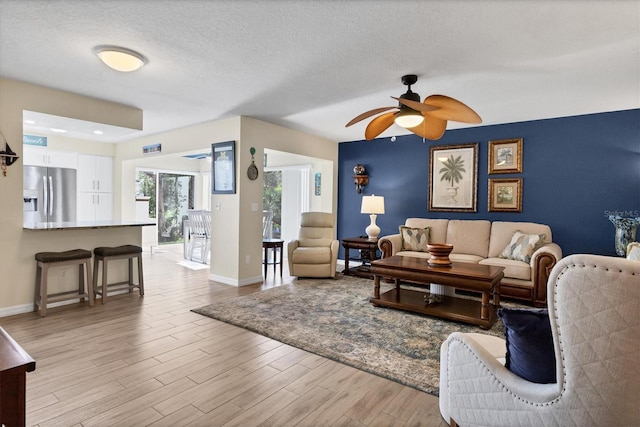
pixel 453 178
pixel 505 195
pixel 505 156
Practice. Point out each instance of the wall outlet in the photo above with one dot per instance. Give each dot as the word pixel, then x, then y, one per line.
pixel 247 259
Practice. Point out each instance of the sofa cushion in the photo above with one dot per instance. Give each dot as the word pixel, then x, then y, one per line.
pixel 437 227
pixel 415 254
pixel 530 351
pixel 522 246
pixel 502 231
pixel 512 268
pixel 312 255
pixel 474 259
pixel 414 239
pixel 469 237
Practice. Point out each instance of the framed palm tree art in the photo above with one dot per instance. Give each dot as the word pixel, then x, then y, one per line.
pixel 453 178
pixel 505 156
pixel 505 195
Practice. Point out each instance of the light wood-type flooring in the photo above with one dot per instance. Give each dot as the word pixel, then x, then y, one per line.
pixel 151 362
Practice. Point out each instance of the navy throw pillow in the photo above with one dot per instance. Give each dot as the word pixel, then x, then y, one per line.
pixel 530 352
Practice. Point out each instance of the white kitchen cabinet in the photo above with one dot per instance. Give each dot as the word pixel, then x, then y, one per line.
pixel 95 186
pixel 95 206
pixel 95 173
pixel 42 156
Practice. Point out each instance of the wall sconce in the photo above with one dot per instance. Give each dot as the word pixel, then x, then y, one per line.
pixel 360 178
pixel 7 156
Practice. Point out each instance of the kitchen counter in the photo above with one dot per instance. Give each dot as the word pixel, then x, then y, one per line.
pixel 75 225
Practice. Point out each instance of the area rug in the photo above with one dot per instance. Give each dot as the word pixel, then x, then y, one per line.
pixel 334 319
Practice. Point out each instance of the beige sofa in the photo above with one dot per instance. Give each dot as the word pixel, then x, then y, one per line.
pixel 480 241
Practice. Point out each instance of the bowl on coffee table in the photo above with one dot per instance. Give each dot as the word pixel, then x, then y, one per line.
pixel 439 254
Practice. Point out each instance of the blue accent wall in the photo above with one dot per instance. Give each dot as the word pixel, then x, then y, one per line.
pixel 576 171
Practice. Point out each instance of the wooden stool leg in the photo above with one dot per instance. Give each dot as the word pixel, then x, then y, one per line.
pixel 96 265
pixel 104 280
pixel 81 273
pixel 92 296
pixel 38 294
pixel 130 262
pixel 140 276
pixel 43 290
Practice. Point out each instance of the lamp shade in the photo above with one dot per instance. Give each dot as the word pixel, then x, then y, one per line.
pixel 120 58
pixel 372 205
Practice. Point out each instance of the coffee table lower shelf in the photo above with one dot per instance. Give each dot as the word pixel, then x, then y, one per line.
pixel 452 308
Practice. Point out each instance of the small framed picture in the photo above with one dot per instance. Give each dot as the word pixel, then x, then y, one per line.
pixel 505 195
pixel 223 168
pixel 505 156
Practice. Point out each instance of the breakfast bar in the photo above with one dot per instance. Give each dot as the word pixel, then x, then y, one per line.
pixel 83 225
pixel 61 237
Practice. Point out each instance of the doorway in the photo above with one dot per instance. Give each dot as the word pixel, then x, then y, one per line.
pixel 171 195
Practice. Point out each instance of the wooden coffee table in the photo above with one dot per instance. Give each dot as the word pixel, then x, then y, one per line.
pixel 461 275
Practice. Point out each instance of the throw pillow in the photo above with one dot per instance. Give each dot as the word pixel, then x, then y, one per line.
pixel 522 246
pixel 633 251
pixel 530 352
pixel 414 239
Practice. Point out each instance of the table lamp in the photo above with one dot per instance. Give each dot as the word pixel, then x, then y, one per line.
pixel 372 205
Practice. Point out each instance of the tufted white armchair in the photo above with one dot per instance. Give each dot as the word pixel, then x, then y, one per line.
pixel 315 252
pixel 594 309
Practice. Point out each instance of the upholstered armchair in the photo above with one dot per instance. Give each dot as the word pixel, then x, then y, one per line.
pixel 594 314
pixel 315 253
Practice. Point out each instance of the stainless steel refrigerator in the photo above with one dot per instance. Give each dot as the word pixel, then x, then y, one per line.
pixel 49 194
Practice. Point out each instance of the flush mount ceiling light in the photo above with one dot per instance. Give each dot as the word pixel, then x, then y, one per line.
pixel 120 58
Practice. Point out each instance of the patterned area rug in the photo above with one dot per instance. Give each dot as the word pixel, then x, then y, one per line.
pixel 334 319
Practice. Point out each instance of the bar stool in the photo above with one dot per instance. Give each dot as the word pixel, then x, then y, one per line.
pixel 106 254
pixel 46 260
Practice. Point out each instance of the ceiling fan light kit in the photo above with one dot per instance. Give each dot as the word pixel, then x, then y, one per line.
pixel 408 118
pixel 120 58
pixel 427 119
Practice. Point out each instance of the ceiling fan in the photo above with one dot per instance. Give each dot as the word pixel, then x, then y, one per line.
pixel 427 119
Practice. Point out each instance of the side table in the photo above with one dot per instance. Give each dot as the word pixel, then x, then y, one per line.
pixel 368 252
pixel 14 364
pixel 277 245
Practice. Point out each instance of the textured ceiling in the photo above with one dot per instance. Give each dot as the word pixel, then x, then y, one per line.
pixel 314 65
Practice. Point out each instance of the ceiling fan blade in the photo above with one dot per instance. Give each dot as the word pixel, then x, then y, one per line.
pixel 431 128
pixel 416 105
pixel 378 125
pixel 368 114
pixel 451 109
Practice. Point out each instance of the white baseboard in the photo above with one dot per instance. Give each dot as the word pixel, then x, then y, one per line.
pixel 234 282
pixel 16 309
pixel 28 308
